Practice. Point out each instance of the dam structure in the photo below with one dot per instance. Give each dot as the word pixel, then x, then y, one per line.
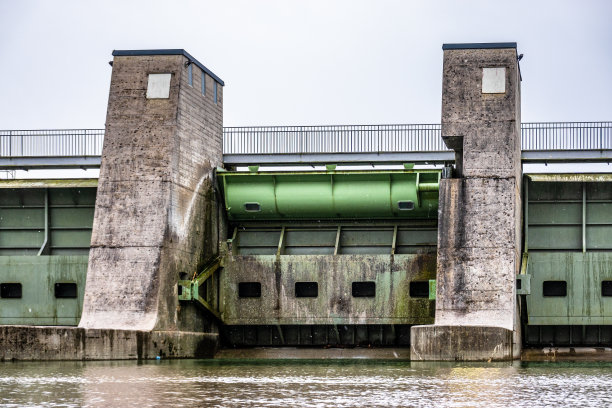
pixel 197 238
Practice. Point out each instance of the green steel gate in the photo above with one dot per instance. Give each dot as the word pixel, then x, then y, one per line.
pixel 568 247
pixel 45 232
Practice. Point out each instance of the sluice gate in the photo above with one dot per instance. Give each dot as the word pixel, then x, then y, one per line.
pixel 45 233
pixel 337 258
pixel 567 260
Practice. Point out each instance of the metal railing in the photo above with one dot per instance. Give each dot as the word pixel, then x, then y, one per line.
pixel 332 139
pixel 541 136
pixel 545 136
pixel 51 143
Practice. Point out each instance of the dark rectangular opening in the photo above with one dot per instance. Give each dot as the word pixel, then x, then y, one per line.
pixel 252 207
pixel 405 205
pixel 364 289
pixel 554 288
pixel 419 289
pixel 10 290
pixel 606 288
pixel 65 290
pixel 249 289
pixel 306 289
pixel 519 283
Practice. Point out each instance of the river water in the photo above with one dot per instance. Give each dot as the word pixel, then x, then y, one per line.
pixel 310 383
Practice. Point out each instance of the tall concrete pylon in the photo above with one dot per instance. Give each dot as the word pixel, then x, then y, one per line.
pixel 479 220
pixel 156 216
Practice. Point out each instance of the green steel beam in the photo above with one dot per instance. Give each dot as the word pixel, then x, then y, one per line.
pixel 432 289
pixel 190 289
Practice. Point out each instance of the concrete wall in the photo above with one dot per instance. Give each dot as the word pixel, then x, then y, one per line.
pixel 156 214
pixel 76 343
pixel 334 274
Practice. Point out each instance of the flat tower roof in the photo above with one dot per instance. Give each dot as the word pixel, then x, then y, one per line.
pixel 472 46
pixel 175 51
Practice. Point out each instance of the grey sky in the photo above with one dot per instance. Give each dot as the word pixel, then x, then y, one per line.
pixel 302 62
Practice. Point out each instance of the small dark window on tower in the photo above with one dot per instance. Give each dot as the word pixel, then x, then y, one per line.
pixel 364 289
pixel 554 288
pixel 65 290
pixel 419 289
pixel 306 289
pixel 252 207
pixel 190 73
pixel 249 289
pixel 405 205
pixel 519 283
pixel 203 83
pixel 10 290
pixel 216 93
pixel 606 288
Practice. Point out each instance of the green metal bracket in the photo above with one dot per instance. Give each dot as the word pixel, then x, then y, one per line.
pixel 523 280
pixel 432 289
pixel 523 284
pixel 190 290
pixel 184 290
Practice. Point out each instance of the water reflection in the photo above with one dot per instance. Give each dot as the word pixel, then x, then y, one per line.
pixel 345 383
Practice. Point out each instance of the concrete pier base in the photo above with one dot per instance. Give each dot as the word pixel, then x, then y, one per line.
pixel 460 343
pixel 76 343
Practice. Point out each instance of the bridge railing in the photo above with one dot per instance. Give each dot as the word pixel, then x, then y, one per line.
pixel 540 136
pixel 51 143
pixel 332 139
pixel 545 136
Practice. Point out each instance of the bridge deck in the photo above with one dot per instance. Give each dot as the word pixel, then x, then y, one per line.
pixel 544 142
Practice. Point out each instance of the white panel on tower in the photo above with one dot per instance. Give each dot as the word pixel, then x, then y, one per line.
pixel 494 80
pixel 158 86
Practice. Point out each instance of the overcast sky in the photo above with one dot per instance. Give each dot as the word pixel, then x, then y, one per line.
pixel 302 62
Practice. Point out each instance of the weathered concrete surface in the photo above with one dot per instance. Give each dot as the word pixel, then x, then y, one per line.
pixel 156 215
pixel 74 343
pixel 479 219
pixel 460 343
pixel 334 274
pixel 477 255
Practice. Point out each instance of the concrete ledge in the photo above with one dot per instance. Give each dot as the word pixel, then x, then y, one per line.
pixel 75 343
pixel 460 343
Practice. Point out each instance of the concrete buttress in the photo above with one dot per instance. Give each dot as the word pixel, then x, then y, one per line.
pixel 156 214
pixel 479 219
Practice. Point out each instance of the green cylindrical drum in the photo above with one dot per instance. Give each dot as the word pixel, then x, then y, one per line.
pixel 331 195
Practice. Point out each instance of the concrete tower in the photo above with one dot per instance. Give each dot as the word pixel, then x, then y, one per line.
pixel 479 221
pixel 156 214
